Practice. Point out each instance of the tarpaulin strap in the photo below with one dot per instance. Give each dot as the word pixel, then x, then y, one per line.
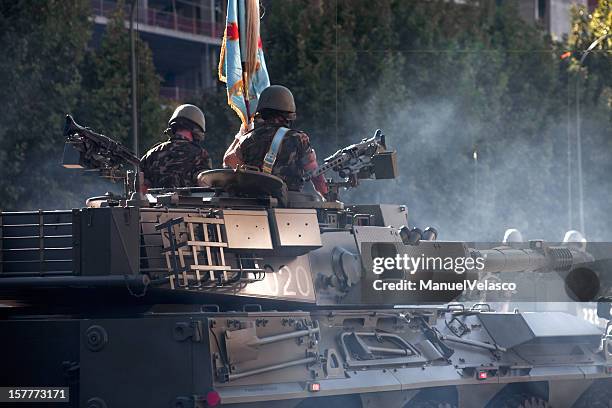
pixel 270 157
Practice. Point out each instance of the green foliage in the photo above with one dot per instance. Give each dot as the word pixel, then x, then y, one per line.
pixel 43 43
pixel 587 29
pixel 51 72
pixel 442 80
pixel 590 86
pixel 107 102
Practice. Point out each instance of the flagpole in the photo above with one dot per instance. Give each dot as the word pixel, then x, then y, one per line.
pixel 245 96
pixel 242 24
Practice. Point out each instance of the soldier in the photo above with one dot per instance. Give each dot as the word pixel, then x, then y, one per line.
pixel 177 161
pixel 273 146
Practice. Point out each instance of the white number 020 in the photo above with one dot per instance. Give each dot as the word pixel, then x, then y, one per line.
pixel 293 281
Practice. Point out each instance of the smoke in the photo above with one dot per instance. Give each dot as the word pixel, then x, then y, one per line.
pixel 51 187
pixel 473 176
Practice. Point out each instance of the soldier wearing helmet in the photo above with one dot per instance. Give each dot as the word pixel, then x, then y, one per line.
pixel 177 161
pixel 273 146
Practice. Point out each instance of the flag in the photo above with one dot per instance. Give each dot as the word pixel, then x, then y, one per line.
pixel 241 64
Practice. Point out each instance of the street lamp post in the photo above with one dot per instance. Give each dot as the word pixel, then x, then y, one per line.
pixel 133 74
pixel 579 135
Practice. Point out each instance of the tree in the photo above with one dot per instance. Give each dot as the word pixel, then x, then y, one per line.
pixel 442 80
pixel 590 91
pixel 106 98
pixel 589 28
pixel 51 73
pixel 43 43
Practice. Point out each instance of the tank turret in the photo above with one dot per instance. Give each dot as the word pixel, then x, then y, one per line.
pixel 243 237
pixel 244 293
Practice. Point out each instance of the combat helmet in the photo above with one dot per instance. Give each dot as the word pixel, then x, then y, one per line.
pixel 278 98
pixel 190 113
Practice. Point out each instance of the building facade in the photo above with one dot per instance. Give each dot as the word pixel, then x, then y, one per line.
pixel 553 15
pixel 184 35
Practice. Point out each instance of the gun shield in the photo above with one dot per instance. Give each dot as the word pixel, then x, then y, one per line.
pixel 385 165
pixel 71 158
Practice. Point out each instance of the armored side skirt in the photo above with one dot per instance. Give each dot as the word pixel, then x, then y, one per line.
pixel 286 359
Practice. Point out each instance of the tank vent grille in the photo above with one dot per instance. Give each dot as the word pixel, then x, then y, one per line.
pixel 36 243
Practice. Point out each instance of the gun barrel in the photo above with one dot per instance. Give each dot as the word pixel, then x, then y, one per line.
pixel 102 142
pixel 507 259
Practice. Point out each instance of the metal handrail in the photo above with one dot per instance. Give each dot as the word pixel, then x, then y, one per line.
pixel 162 19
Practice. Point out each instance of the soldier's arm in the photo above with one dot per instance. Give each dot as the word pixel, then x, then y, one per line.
pixel 309 163
pixel 232 157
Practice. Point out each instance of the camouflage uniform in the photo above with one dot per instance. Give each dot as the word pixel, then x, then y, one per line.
pixel 174 163
pixel 295 156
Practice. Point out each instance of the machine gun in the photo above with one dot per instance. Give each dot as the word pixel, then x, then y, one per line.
pixel 86 149
pixel 367 159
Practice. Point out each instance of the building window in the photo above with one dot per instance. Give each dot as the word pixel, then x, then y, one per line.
pixel 541 9
pixel 592 4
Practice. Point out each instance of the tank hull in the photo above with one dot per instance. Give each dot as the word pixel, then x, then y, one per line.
pixel 297 359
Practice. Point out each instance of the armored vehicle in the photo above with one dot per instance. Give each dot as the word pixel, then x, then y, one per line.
pixel 242 293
